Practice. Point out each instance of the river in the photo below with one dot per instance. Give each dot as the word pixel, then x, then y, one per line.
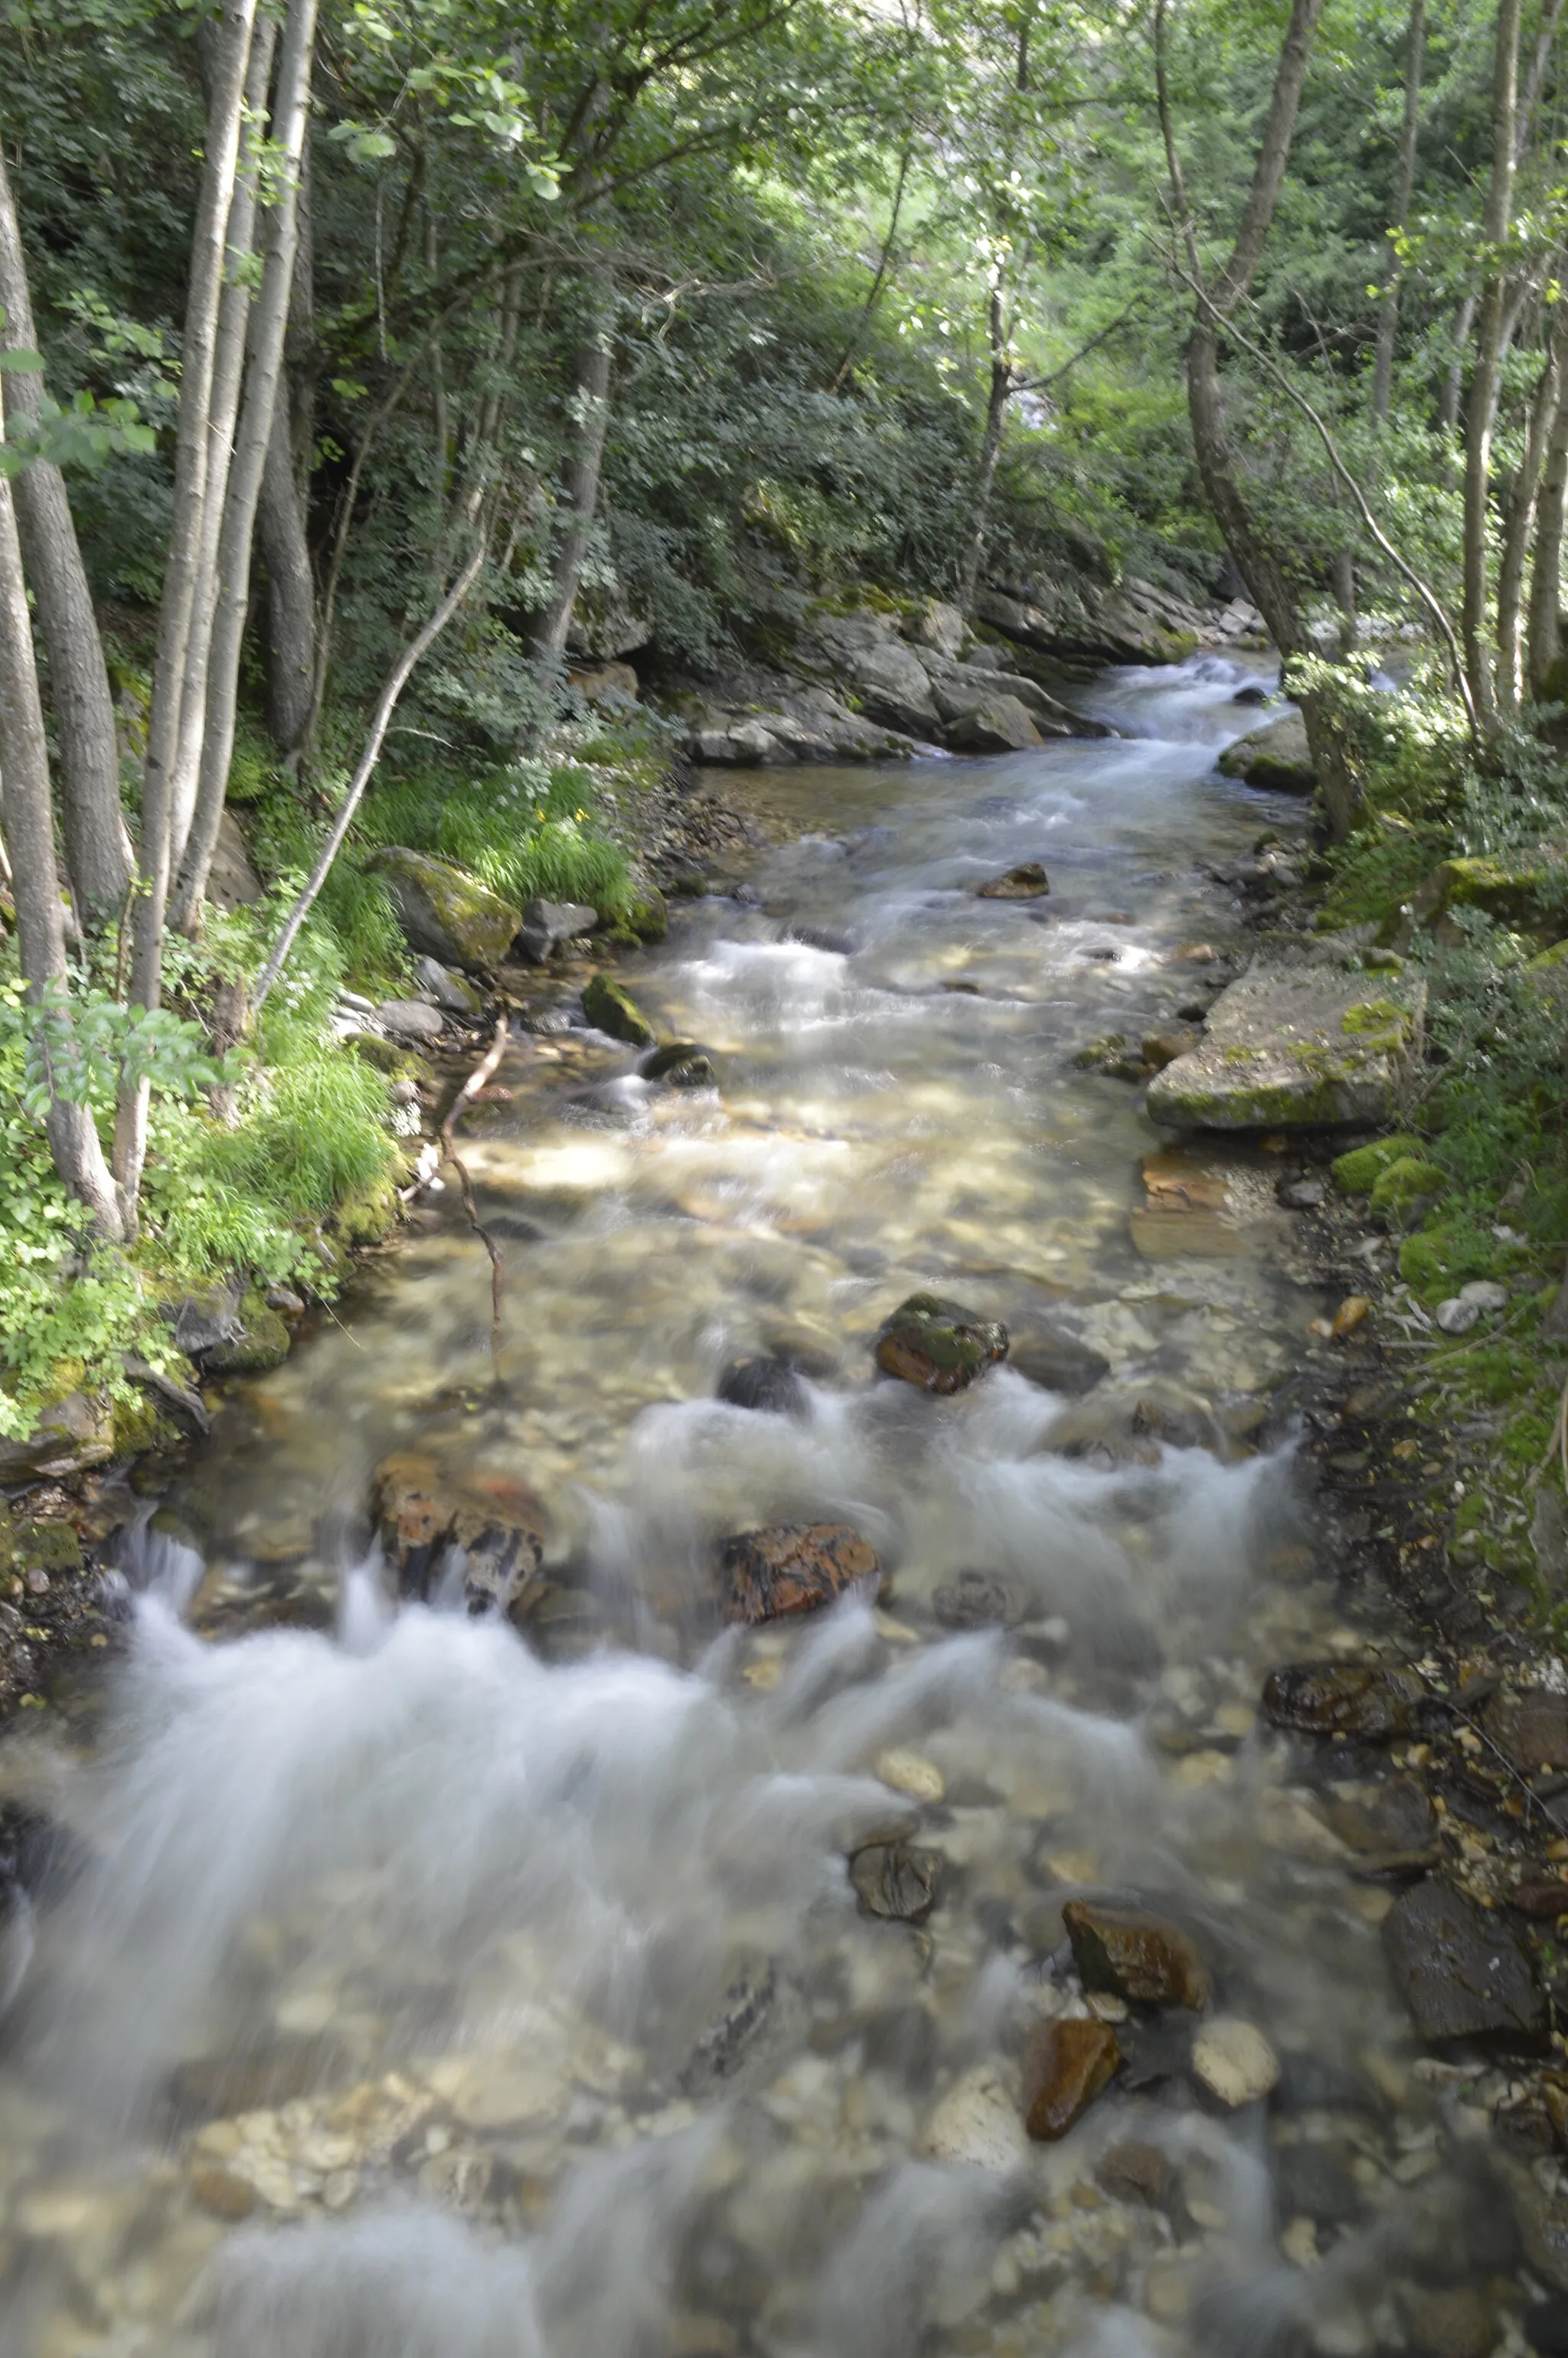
pixel 420 1993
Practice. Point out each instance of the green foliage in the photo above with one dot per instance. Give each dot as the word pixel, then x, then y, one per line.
pixel 524 830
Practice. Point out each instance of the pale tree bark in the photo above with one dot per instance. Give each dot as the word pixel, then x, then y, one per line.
pixel 1523 496
pixel 999 391
pixel 1404 186
pixel 264 367
pixel 1545 629
pixel 228 378
pixel 97 844
pixel 208 253
pixel 28 822
pixel 281 517
pixel 1485 377
pixel 591 406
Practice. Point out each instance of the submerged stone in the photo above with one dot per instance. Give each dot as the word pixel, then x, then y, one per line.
pixel 1306 1038
pixel 1465 1981
pixel 1134 1956
pixel 682 1065
pixel 938 1344
pixel 427 1519
pixel 766 1383
pixel 1359 1699
pixel 1235 2062
pixel 1066 2065
pixel 1028 882
pixel 979 1600
pixel 611 1008
pixel 896 1880
pixel 791 1568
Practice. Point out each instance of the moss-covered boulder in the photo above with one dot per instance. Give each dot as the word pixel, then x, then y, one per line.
pixel 1305 1039
pixel 446 913
pixel 261 1343
pixel 1275 758
pixel 369 1213
pixel 611 1008
pixel 1406 1183
pixel 938 1344
pixel 647 917
pixel 1528 894
pixel 1358 1172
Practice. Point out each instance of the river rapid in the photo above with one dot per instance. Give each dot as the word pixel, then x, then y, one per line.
pixel 421 1993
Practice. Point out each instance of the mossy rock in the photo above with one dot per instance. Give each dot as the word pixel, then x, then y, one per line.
pixel 445 913
pixel 1442 1257
pixel 1530 896
pixel 385 1055
pixel 261 1343
pixel 647 917
pixel 1274 759
pixel 369 1215
pixel 141 1427
pixel 1358 1172
pixel 611 1008
pixel 1403 1185
pixel 51 1547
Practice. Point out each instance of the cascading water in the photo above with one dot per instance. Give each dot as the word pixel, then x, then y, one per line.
pixel 416 1994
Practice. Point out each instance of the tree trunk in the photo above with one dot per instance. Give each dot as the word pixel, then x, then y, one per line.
pixel 1404 184
pixel 997 398
pixel 1545 632
pixel 1522 501
pixel 35 882
pixel 208 254
pixel 268 325
pixel 283 517
pixel 97 846
pixel 588 460
pixel 227 377
pixel 1484 382
pixel 1453 383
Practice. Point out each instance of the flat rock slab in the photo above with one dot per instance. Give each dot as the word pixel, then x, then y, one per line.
pixel 1460 1973
pixel 1307 1038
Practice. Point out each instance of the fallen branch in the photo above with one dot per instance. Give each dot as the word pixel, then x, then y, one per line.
pixel 465 1098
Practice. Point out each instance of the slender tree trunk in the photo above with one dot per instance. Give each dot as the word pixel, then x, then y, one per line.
pixel 1545 633
pixel 269 327
pixel 97 846
pixel 1404 184
pixel 1522 501
pixel 999 393
pixel 283 517
pixel 882 274
pixel 593 404
pixel 228 378
pixel 208 254
pixel 35 883
pixel 1453 383
pixel 1485 377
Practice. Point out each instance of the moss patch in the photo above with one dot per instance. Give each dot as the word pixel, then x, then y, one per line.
pixel 1358 1172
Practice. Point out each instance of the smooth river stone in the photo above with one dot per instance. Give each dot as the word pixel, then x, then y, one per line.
pixel 1066 2065
pixel 1135 1956
pixel 791 1568
pixel 1235 2062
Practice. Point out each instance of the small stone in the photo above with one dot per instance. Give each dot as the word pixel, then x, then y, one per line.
pixel 682 1065
pixel 1486 1294
pixel 1465 1979
pixel 448 988
pixel 791 1568
pixel 1135 1956
pixel 1300 1195
pixel 1342 1699
pixel 611 1008
pixel 223 2193
pixel 1457 2321
pixel 1028 882
pixel 1457 1316
pixel 1137 2173
pixel 978 1600
pixel 1543 1901
pixel 766 1383
pixel 977 2124
pixel 410 1020
pixel 459 2180
pixel 1348 1315
pixel 1299 2244
pixel 938 1345
pixel 896 1880
pixel 1066 2065
pixel 908 1772
pixel 547 926
pixel 1234 2062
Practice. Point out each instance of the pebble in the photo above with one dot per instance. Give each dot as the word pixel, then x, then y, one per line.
pixel 223 2193
pixel 909 1772
pixel 977 2123
pixel 1298 2245
pixel 1234 2062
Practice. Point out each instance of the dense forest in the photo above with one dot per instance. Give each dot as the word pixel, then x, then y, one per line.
pixel 381 375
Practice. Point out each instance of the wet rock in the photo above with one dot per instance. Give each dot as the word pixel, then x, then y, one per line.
pixel 1398 1818
pixel 895 690
pixel 896 1880
pixel 1459 1971
pixel 1066 2065
pixel 69 1435
pixel 1531 1728
pixel 1274 759
pixel 1234 2062
pixel 1542 1899
pixel 682 1065
pixel 1300 1195
pixel 260 1340
pixel 410 1022
pixel 979 1600
pixel 548 926
pixel 223 2193
pixel 1546 2328
pixel 427 1519
pixel 766 1383
pixel 444 912
pixel 911 1773
pixel 1253 693
pixel 274 2073
pixel 448 988
pixel 1313 2180
pixel 458 2178
pixel 1028 882
pixel 1358 1699
pixel 202 1320
pixel 791 1568
pixel 938 1344
pixel 1135 2172
pixel 1056 1361
pixel 747 2007
pixel 1135 1956
pixel 611 1008
pixel 1306 1037
pixel 998 724
pixel 1456 2321
pixel 975 2123
pixel 1162 1048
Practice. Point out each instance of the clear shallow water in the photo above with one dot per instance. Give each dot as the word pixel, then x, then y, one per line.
pixel 422 1996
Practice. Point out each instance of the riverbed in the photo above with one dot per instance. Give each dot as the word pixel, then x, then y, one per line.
pixel 421 1992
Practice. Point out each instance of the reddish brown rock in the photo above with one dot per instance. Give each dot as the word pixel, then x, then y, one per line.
pixel 791 1568
pixel 1543 1899
pixel 425 1514
pixel 938 1344
pixel 1066 2066
pixel 1135 1956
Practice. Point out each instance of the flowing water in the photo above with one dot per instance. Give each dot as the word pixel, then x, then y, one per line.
pixel 423 1994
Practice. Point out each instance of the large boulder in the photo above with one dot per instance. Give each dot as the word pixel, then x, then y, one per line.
pixel 791 1568
pixel 444 912
pixel 942 627
pixel 1465 1981
pixel 431 1520
pixel 1275 758
pixel 1306 1038
pixel 994 724
pixel 893 688
pixel 68 1437
pixel 233 882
